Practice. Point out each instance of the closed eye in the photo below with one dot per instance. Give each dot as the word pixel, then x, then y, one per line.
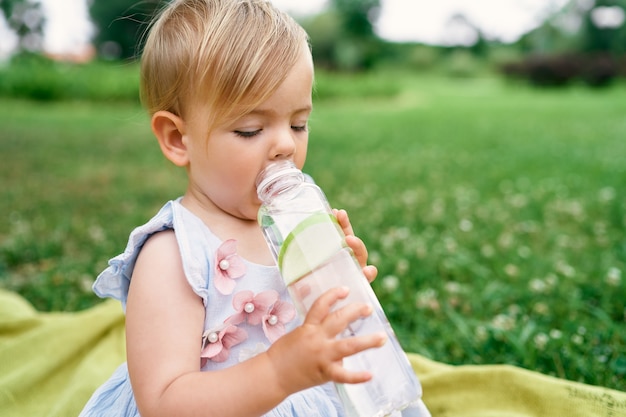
pixel 302 128
pixel 247 133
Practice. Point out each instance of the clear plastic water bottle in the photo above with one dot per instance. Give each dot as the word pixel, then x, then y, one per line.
pixel 313 257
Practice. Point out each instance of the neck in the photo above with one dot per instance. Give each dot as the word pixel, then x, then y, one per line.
pixel 250 242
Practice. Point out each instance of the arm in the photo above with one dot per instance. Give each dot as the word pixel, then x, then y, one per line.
pixel 164 327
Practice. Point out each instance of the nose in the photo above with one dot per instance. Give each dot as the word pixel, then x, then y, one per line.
pixel 283 144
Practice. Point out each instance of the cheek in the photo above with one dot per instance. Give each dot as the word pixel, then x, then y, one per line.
pixel 301 159
pixel 300 156
pixel 238 178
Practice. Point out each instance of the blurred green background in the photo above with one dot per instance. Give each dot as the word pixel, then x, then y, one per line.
pixel 487 179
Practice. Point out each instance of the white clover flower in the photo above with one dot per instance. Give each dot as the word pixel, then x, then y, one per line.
pixel 613 277
pixel 505 240
pixel 390 283
pixel 514 309
pixel 375 258
pixel 523 252
pixel 450 244
pixel 537 286
pixel 563 241
pixel 402 233
pixel 481 333
pixel 466 225
pixel 606 194
pixel 541 340
pixel 402 266
pixel 518 200
pixel 85 283
pixel 487 251
pixel 541 308
pixel 452 287
pixel 427 299
pixel 96 233
pixel 552 280
pixel 556 334
pixel 421 250
pixel 565 269
pixel 503 322
pixel 576 209
pixel 438 207
pixel 387 241
pixel 577 339
pixel 511 270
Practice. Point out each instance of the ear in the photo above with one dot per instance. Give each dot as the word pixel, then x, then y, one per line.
pixel 169 130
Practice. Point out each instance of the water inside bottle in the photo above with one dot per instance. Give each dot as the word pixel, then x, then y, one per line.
pixel 388 364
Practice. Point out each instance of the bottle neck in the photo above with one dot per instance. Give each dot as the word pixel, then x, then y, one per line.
pixel 277 179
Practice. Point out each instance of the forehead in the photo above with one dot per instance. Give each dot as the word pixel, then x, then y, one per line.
pixel 268 88
pixel 296 89
pixel 293 94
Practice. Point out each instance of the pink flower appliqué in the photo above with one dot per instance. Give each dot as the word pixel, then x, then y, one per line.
pixel 274 321
pixel 216 343
pixel 228 267
pixel 252 308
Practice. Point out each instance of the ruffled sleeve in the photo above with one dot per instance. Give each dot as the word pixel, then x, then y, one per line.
pixel 114 281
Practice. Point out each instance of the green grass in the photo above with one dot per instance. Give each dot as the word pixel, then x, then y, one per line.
pixel 496 214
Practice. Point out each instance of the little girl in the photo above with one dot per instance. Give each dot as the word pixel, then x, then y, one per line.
pixel 210 328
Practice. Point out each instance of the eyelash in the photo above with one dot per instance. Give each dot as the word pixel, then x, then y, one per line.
pixel 246 134
pixel 251 134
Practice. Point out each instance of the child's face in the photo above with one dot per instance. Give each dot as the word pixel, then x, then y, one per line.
pixel 223 169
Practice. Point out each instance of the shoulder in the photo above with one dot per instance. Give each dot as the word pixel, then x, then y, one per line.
pixel 160 242
pixel 160 249
pixel 159 262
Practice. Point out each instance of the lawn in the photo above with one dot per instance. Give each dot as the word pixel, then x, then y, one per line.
pixel 495 213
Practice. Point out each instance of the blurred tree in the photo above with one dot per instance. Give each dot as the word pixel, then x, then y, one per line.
pixel 585 41
pixel 604 27
pixel 343 36
pixel 324 32
pixel 120 25
pixel 357 16
pixel 26 19
pixel 583 26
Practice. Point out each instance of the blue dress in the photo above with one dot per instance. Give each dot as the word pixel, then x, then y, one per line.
pixel 247 308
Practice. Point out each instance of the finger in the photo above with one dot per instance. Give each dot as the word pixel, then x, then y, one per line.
pixel 370 272
pixel 361 254
pixel 340 319
pixel 341 375
pixel 355 344
pixel 349 347
pixel 344 221
pixel 321 307
pixel 358 248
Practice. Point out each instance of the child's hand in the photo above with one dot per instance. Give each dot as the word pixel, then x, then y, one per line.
pixel 312 354
pixel 356 244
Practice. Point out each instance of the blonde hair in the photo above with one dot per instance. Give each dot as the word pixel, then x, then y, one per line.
pixel 228 54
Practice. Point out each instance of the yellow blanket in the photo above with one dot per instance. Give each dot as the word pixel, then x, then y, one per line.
pixel 50 364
